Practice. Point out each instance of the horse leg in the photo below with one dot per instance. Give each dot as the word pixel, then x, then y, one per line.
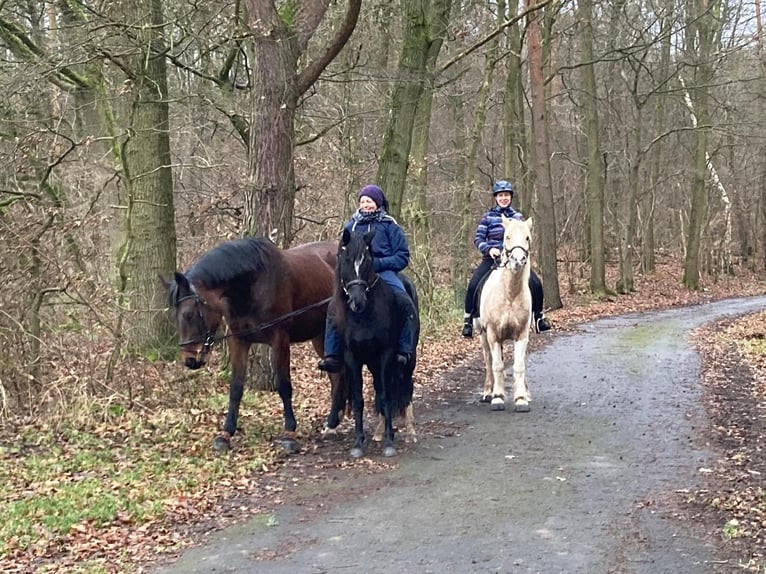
pixel 238 351
pixel 410 435
pixel 488 381
pixel 354 373
pixel 379 429
pixel 338 394
pixel 521 395
pixel 388 372
pixel 281 346
pixel 498 372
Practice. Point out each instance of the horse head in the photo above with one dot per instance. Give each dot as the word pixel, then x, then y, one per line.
pixel 197 321
pixel 517 241
pixel 355 272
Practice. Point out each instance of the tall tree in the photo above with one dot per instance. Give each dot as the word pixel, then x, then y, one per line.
pixel 149 242
pixel 410 75
pixel 699 47
pixel 545 225
pixel 280 76
pixel 594 180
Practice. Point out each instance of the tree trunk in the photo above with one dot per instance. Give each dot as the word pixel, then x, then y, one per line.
pixel 149 244
pixel 277 85
pixel 699 192
pixel 397 141
pixel 416 219
pixel 594 181
pixel 545 226
pixel 514 135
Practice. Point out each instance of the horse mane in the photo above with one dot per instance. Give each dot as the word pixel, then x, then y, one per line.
pixel 248 257
pixel 230 260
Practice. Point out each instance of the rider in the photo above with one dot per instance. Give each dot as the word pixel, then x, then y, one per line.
pixel 489 241
pixel 391 255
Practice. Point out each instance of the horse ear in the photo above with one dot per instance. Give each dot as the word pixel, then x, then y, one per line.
pixel 346 237
pixel 182 281
pixel 505 221
pixel 530 225
pixel 368 237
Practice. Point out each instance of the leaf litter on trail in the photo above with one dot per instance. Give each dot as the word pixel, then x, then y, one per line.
pixel 159 458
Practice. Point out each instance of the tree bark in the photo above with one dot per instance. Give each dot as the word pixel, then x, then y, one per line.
pixel 545 226
pixel 149 243
pixel 595 168
pixel 397 141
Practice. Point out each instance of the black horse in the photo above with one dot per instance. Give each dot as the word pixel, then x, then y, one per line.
pixel 369 319
pixel 266 295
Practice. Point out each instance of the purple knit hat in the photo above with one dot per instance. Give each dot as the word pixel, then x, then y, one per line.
pixel 375 194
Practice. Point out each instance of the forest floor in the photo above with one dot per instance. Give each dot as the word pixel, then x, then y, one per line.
pixel 187 490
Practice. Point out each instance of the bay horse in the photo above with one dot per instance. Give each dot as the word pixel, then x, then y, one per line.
pixel 505 314
pixel 265 295
pixel 369 320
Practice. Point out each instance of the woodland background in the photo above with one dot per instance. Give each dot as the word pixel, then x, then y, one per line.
pixel 135 135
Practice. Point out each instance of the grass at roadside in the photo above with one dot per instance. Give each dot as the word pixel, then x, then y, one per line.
pixel 111 495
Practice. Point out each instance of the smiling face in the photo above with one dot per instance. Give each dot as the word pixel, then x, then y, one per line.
pixel 503 199
pixel 367 205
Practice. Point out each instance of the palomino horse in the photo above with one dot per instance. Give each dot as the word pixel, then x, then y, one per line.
pixel 369 320
pixel 505 314
pixel 266 295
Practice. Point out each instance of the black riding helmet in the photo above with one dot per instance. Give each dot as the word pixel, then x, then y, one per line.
pixel 501 186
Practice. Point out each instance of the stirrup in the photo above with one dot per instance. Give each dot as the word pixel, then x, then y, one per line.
pixel 542 325
pixel 467 330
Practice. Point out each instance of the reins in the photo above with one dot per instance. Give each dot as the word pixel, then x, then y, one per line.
pixel 210 339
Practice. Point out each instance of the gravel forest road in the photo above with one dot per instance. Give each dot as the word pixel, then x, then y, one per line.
pixel 587 482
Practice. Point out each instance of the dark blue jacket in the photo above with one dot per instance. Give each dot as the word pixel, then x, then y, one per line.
pixel 389 247
pixel 490 231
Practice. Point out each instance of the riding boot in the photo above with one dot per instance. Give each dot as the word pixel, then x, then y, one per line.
pixel 331 363
pixel 467 331
pixel 406 338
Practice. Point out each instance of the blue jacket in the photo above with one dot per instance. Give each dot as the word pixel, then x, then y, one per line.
pixel 490 231
pixel 389 247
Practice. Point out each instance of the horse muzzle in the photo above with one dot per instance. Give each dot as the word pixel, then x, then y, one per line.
pixel 193 363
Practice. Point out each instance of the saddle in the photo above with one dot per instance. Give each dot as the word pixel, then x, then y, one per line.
pixel 477 297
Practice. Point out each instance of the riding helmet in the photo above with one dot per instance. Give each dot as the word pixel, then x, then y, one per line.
pixel 502 185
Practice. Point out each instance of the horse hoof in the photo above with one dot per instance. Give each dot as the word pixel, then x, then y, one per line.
pixel 221 444
pixel 377 437
pixel 485 399
pixel 521 407
pixel 389 451
pixel 357 452
pixel 328 433
pixel 498 404
pixel 290 446
pixel 411 439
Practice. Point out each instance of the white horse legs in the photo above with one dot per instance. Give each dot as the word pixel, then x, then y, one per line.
pixel 521 394
pixel 494 379
pixel 410 435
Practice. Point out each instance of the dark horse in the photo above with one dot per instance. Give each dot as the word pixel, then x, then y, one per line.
pixel 266 295
pixel 369 319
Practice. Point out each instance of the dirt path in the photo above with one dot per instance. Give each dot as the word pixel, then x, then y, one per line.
pixel 587 482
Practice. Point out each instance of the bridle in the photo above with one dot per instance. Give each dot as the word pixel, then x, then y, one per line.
pixel 354 282
pixel 209 338
pixel 507 256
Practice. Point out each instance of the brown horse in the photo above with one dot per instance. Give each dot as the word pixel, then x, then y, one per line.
pixel 266 295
